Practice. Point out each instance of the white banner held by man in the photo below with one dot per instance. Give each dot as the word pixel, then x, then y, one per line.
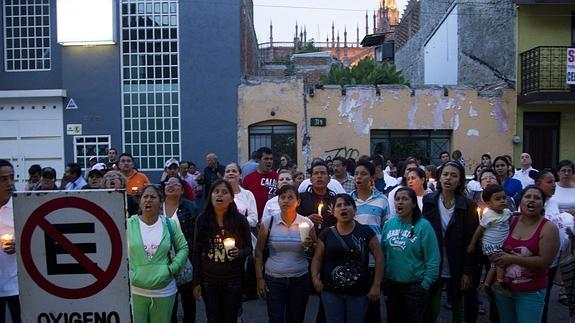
pixel 72 256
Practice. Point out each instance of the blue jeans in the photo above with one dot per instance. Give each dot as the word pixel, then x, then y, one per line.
pixel 222 299
pixel 340 308
pixel 523 307
pixel 287 298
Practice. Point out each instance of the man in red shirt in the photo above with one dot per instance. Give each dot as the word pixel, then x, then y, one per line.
pixel 263 182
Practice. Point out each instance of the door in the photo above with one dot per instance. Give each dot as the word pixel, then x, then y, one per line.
pixel 541 138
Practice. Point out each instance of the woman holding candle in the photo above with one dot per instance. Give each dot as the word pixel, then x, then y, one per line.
pixel 285 284
pixel 218 264
pixel 411 259
pixel 454 219
pixel 340 265
pixel 488 177
pixel 529 250
pixel 151 269
pixel 244 199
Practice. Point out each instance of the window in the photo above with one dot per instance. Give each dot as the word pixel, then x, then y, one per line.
pixel 86 147
pixel 281 138
pixel 150 81
pixel 27 35
pixel 400 144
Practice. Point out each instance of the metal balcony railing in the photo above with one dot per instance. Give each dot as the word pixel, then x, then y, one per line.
pixel 544 69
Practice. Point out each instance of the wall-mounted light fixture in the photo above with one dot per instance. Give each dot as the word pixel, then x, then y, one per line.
pixel 86 22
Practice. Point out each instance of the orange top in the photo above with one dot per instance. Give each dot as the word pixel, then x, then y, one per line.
pixel 136 183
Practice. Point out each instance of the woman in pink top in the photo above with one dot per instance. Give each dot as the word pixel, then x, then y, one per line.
pixel 530 249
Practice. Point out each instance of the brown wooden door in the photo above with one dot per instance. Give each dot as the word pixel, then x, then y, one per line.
pixel 541 138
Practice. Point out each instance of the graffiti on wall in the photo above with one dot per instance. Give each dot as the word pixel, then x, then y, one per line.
pixel 344 152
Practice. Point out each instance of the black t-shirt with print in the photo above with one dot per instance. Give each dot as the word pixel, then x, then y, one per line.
pixel 347 271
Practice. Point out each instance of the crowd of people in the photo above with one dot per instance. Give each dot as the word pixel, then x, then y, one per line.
pixel 356 233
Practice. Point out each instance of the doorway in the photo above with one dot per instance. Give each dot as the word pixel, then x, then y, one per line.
pixel 541 138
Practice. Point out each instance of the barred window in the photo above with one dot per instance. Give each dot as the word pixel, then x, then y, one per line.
pixel 86 147
pixel 27 35
pixel 150 81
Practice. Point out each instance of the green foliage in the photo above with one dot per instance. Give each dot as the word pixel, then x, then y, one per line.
pixel 308 47
pixel 367 71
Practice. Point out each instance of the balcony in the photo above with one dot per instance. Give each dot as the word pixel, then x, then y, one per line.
pixel 543 76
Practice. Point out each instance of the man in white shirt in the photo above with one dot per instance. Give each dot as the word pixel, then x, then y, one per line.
pixel 8 267
pixel 522 174
pixel 73 179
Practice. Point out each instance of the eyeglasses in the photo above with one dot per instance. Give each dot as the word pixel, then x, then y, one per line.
pixel 488 177
pixel 111 177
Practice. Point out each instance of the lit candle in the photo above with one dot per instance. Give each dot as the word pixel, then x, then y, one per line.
pixel 6 238
pixel 319 207
pixel 134 189
pixel 229 243
pixel 303 231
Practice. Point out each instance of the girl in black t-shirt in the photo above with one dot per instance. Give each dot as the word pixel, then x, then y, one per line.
pixel 340 266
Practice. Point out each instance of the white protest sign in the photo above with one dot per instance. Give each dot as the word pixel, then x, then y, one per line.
pixel 72 256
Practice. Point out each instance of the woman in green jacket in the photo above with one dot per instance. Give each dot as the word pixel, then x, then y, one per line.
pixel 411 259
pixel 152 267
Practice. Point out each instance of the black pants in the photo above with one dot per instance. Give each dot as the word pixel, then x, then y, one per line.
pixel 373 313
pixel 14 307
pixel 186 294
pixel 222 300
pixel 550 277
pixel 406 302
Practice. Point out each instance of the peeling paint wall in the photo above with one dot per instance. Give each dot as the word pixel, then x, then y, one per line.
pixel 479 124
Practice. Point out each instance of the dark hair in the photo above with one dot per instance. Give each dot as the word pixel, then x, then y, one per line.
pixel 443 152
pixel 346 197
pixel 192 164
pixel 420 173
pixel 369 166
pixel 404 168
pixel 533 187
pixel 318 163
pixel 416 215
pixel 489 170
pixel 157 188
pixel 563 163
pixel 432 169
pixel 341 159
pixel 486 155
pixel 475 172
pixel 254 155
pixel 112 148
pixel 126 155
pixel 75 169
pixel 505 160
pixel 288 188
pixel 456 154
pixel 34 169
pixel 538 176
pixel 350 164
pixel 460 189
pixel 207 224
pixel 490 190
pixel 378 161
pixel 182 183
pixel 4 163
pixel 264 150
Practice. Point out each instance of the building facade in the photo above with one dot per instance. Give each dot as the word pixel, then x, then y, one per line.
pixel 457 42
pixel 395 121
pixel 158 90
pixel 545 102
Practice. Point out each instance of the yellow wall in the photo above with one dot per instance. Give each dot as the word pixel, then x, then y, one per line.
pixel 566 131
pixel 480 124
pixel 545 25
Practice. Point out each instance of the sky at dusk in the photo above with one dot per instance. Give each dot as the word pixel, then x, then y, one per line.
pixel 316 15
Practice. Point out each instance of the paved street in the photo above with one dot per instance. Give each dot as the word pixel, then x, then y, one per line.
pixel 256 312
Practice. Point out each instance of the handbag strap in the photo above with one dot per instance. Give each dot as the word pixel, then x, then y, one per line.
pixel 339 238
pixel 172 242
pixel 269 231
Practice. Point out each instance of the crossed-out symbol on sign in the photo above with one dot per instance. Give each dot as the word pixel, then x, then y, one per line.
pixel 38 220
